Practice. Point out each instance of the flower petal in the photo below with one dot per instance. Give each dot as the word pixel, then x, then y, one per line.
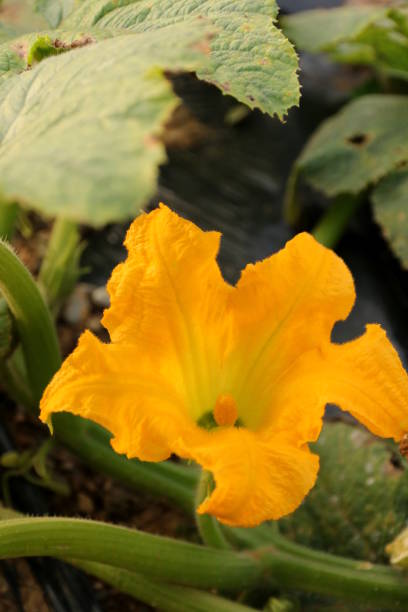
pixel 257 477
pixel 169 298
pixel 284 307
pixel 109 384
pixel 366 378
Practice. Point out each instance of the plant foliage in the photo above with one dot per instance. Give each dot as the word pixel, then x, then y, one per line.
pixel 359 501
pixel 82 107
pixel 365 146
pixel 369 35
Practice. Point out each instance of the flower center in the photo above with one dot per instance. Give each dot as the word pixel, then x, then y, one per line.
pixel 225 410
pixel 224 414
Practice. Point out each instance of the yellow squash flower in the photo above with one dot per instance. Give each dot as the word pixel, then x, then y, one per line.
pixel 233 377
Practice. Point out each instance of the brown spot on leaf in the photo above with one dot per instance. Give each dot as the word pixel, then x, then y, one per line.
pixel 359 139
pixel 75 44
pixel 204 46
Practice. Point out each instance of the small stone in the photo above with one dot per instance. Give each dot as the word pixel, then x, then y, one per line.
pixel 85 504
pixel 78 306
pixel 100 297
pixel 94 324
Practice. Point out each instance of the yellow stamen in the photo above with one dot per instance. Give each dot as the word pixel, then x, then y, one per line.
pixel 225 411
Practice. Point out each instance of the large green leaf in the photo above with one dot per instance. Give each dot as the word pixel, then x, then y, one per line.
pixel 371 35
pixel 359 502
pixel 250 58
pixel 365 141
pixel 364 145
pixel 324 29
pixel 390 203
pixel 79 131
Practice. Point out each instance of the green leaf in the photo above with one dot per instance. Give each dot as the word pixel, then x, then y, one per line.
pixel 54 11
pixel 390 203
pixel 359 501
pixel 42 48
pixel 364 146
pixel 324 29
pixel 6 330
pixel 250 58
pixel 357 147
pixel 359 35
pixel 79 132
pixel 17 55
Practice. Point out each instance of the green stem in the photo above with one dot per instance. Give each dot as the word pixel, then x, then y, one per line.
pixel 15 385
pixel 201 567
pixel 297 566
pixel 291 207
pixel 158 557
pixel 160 596
pixel 8 219
pixel 33 320
pixel 376 586
pixel 157 478
pixel 208 527
pixel 332 224
pixel 268 535
pixel 60 268
pixel 181 473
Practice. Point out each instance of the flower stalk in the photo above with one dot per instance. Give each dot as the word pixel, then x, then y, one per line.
pixel 208 527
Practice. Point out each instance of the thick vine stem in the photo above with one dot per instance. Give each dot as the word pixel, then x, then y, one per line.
pixel 158 595
pixel 208 527
pixel 197 566
pixel 313 571
pixel 158 557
